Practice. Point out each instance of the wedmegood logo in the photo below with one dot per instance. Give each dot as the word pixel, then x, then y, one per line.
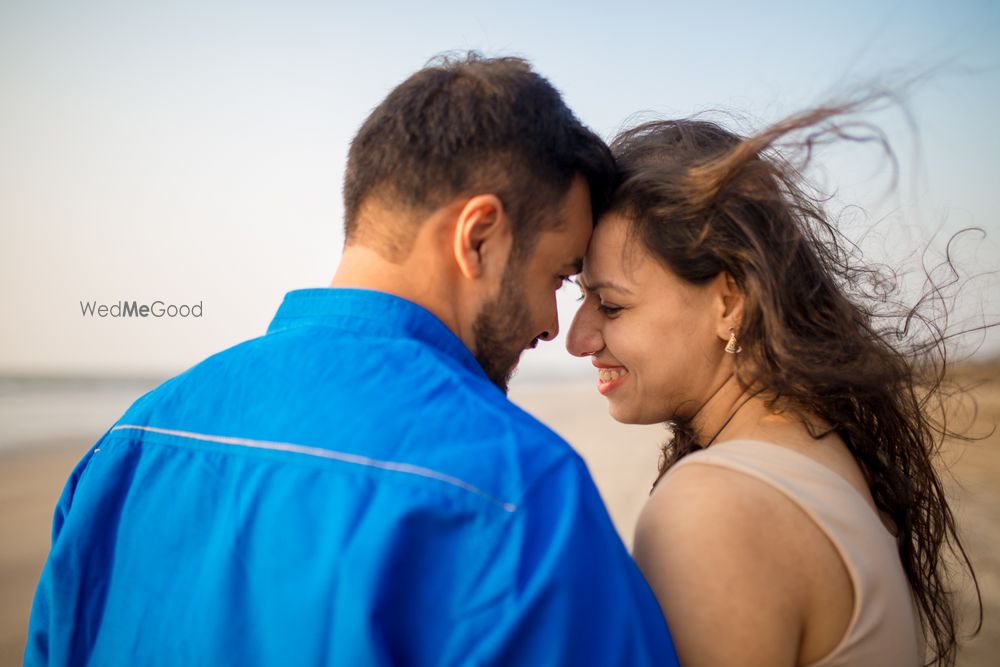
pixel 135 309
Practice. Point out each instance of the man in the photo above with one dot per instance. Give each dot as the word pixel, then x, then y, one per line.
pixel 354 488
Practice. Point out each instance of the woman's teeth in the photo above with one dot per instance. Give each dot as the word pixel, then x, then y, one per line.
pixel 610 374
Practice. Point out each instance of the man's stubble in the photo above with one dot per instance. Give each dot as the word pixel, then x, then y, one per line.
pixel 502 330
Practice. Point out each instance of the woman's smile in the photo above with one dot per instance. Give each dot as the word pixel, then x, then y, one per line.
pixel 609 377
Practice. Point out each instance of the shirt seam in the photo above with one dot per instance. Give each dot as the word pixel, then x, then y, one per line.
pixel 326 454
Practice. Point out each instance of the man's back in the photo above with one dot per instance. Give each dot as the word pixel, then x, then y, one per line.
pixel 348 489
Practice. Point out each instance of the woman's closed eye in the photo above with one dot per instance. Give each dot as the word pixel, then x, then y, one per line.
pixel 608 310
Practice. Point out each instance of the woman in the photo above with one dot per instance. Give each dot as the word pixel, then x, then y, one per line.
pixel 798 518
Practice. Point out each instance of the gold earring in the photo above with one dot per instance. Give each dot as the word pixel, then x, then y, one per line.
pixel 733 346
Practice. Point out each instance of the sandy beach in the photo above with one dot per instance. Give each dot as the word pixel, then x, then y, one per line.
pixel 621 458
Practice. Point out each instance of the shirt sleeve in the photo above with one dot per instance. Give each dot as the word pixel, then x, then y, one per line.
pixel 575 595
pixel 46 605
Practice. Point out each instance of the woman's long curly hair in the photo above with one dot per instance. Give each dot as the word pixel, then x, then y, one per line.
pixel 822 332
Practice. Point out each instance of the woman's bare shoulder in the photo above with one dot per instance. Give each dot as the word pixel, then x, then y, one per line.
pixel 717 543
pixel 717 503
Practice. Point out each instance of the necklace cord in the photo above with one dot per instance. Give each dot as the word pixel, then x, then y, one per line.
pixel 730 417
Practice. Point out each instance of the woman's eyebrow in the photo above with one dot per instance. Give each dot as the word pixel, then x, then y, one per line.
pixel 602 284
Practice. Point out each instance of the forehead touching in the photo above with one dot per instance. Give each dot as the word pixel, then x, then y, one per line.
pixel 563 246
pixel 613 256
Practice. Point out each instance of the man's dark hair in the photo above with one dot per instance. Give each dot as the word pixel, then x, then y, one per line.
pixel 466 126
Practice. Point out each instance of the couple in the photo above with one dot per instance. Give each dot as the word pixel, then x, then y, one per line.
pixel 354 488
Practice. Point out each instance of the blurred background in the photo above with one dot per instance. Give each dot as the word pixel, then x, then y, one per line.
pixel 192 153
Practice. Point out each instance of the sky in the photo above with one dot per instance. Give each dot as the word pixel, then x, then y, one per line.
pixel 193 152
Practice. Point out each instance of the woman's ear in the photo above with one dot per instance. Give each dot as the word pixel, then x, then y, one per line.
pixel 731 300
pixel 482 237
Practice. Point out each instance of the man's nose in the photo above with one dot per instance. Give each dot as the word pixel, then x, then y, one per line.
pixel 584 336
pixel 551 331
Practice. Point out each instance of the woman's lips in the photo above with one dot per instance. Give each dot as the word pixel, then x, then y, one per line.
pixel 609 377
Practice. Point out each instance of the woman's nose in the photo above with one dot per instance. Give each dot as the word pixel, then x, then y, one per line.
pixel 584 337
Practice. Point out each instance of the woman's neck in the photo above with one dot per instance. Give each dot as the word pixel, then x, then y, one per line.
pixel 735 412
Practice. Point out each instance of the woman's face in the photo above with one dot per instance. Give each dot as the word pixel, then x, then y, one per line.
pixel 657 341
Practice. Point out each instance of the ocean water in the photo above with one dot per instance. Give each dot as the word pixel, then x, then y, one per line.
pixel 41 412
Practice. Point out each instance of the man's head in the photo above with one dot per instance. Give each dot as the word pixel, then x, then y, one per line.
pixel 524 310
pixel 474 172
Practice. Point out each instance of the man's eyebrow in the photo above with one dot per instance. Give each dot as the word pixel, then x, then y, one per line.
pixel 575 266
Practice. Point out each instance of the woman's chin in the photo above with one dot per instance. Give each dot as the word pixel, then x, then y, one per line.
pixel 626 414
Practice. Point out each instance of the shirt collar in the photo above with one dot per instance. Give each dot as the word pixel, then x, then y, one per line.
pixel 369 311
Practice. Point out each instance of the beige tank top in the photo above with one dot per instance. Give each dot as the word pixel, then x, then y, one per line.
pixel 884 629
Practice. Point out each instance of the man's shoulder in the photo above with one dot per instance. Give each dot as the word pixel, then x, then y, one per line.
pixel 467 425
pixel 398 404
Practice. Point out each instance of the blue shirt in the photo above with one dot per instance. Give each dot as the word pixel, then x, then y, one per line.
pixel 348 489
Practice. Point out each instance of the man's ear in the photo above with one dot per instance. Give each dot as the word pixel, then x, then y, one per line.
pixel 731 301
pixel 482 237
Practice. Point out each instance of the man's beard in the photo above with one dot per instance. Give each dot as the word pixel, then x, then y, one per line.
pixel 501 330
